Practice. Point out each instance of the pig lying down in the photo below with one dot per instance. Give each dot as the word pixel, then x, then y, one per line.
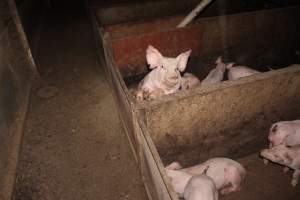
pixel 188 81
pixel 227 174
pixel 216 75
pixel 201 187
pixel 165 77
pixel 287 156
pixel 285 132
pixel 237 72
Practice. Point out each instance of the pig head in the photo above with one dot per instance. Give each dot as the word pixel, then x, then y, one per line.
pixel 165 77
pixel 279 132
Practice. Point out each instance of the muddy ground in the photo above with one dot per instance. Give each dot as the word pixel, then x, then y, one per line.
pixel 74 146
pixel 264 182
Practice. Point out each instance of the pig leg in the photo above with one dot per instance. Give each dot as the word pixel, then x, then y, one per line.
pixel 229 189
pixel 155 94
pixel 295 177
pixel 266 161
pixel 286 169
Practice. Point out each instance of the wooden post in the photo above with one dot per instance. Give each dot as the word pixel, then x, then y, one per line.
pixel 194 13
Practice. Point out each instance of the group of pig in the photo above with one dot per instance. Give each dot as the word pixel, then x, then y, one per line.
pixel 284 147
pixel 203 181
pixel 165 75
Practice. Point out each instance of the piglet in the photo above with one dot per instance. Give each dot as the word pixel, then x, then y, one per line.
pixel 226 173
pixel 239 71
pixel 287 156
pixel 285 132
pixel 165 77
pixel 179 179
pixel 216 75
pixel 201 187
pixel 188 81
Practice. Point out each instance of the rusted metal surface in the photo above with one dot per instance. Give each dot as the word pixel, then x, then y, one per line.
pixel 129 52
pixel 232 36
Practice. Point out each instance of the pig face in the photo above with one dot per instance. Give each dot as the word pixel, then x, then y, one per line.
pixel 277 135
pixel 278 154
pixel 169 68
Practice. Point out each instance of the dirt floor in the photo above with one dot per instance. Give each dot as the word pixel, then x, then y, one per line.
pixel 74 146
pixel 264 182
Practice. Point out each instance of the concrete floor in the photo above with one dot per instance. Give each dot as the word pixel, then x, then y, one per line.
pixel 74 146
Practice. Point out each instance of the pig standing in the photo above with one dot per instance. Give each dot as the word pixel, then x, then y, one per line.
pixel 227 174
pixel 287 156
pixel 188 81
pixel 285 132
pixel 165 77
pixel 239 72
pixel 216 75
pixel 200 187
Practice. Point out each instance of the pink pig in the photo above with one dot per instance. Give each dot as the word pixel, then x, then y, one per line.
pixel 287 156
pixel 285 132
pixel 201 187
pixel 179 179
pixel 239 71
pixel 226 173
pixel 188 81
pixel 216 75
pixel 165 76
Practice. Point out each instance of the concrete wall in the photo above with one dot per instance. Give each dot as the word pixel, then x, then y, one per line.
pixel 16 72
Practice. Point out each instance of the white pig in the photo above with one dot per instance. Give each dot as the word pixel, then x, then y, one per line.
pixel 216 75
pixel 285 132
pixel 287 156
pixel 239 72
pixel 201 187
pixel 179 179
pixel 188 81
pixel 165 76
pixel 226 173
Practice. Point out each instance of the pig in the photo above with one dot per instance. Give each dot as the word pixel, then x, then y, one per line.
pixel 287 156
pixel 216 75
pixel 239 72
pixel 188 81
pixel 200 187
pixel 284 132
pixel 179 179
pixel 226 173
pixel 165 77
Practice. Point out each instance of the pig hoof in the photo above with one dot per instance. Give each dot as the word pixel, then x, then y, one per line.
pixel 294 183
pixel 266 161
pixel 286 169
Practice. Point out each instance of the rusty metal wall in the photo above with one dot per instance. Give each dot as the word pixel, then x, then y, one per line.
pixel 16 72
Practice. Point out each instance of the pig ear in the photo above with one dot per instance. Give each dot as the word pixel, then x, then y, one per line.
pixel 182 60
pixel 219 60
pixel 153 57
